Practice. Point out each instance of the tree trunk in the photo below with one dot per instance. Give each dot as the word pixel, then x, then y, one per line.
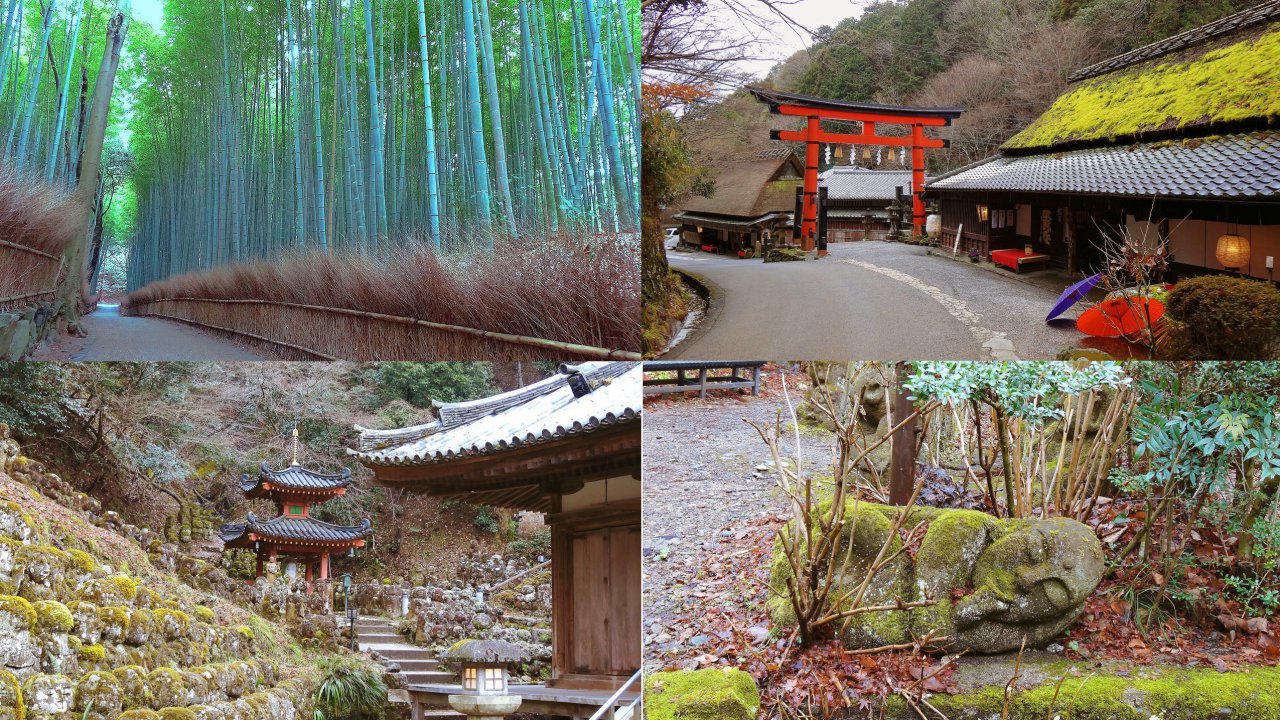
pixel 902 466
pixel 72 291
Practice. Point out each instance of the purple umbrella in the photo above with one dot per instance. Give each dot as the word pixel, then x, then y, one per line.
pixel 1073 295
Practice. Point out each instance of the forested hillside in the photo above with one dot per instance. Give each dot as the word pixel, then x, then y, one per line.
pixel 1003 61
pixel 163 444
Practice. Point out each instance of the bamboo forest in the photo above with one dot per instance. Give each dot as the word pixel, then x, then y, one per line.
pixel 462 171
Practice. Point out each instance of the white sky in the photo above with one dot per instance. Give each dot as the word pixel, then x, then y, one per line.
pixel 149 11
pixel 786 40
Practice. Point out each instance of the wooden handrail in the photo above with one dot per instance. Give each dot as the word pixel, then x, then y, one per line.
pixel 291 346
pixel 584 350
pixel 28 295
pixel 518 576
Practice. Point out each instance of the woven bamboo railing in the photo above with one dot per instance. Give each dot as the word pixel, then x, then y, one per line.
pixel 331 333
pixel 33 260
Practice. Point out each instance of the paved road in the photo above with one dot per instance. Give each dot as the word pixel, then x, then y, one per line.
pixel 869 300
pixel 112 336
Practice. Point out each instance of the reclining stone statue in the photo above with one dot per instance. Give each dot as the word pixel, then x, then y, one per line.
pixel 993 581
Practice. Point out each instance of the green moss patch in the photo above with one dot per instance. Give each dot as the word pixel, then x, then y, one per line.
pixel 711 694
pixel 53 615
pixel 18 607
pixel 1233 83
pixel 1166 694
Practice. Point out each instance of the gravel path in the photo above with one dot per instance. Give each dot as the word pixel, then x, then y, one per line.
pixel 701 483
pixel 112 336
pixel 870 300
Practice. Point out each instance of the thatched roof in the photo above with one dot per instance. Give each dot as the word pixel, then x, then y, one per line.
pixel 1221 76
pixel 752 186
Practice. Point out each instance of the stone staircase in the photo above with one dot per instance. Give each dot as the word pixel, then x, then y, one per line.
pixel 418 665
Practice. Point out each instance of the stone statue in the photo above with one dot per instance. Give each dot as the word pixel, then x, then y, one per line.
pixel 272 570
pixel 994 581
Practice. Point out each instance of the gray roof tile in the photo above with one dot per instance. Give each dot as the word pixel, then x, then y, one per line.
pixel 287 528
pixel 296 477
pixel 1238 166
pixel 851 183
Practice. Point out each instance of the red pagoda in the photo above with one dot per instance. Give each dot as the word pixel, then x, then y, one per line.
pixel 293 532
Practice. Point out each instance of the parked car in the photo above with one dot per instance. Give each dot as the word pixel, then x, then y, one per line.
pixel 672 238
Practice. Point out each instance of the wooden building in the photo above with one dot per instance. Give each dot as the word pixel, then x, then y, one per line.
pixel 1178 140
pixel 751 205
pixel 567 446
pixel 293 532
pixel 855 203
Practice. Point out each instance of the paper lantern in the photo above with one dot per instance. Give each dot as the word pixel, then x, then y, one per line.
pixel 1233 251
pixel 984 213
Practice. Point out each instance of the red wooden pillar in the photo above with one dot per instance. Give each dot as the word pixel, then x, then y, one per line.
pixel 917 179
pixel 809 219
pixel 324 565
pixel 308 574
pixel 259 554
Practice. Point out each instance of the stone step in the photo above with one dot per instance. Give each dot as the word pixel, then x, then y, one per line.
pixel 418 665
pixel 380 637
pixel 399 652
pixel 442 714
pixel 425 677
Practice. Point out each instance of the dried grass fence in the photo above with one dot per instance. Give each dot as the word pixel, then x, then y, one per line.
pixel 550 301
pixel 37 224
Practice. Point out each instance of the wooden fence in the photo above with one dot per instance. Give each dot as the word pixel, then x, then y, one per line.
pixel 331 333
pixel 24 271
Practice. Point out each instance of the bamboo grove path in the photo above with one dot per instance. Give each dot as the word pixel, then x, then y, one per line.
pixel 112 336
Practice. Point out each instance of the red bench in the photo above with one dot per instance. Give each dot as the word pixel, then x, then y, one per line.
pixel 1014 259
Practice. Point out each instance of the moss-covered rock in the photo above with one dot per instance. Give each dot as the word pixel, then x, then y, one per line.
pixel 177 713
pixel 167 687
pixel 11 702
pixel 98 695
pixel 204 614
pixel 139 714
pixel 172 624
pixel 92 654
pixel 133 686
pixel 141 627
pixel 1168 694
pixel 712 694
pixel 53 616
pixel 82 561
pixel 1014 578
pixel 19 650
pixel 48 696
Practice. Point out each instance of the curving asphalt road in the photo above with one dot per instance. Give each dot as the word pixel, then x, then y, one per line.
pixel 112 336
pixel 873 301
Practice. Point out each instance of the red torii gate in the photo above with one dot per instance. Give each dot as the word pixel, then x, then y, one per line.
pixel 816 109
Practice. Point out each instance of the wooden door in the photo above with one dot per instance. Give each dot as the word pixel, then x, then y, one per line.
pixel 606 601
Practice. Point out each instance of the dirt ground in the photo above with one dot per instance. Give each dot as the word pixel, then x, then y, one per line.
pixel 706 473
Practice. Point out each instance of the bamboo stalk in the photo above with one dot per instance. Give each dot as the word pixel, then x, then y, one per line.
pixel 585 350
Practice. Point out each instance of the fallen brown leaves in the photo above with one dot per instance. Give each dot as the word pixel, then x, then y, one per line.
pixel 725 624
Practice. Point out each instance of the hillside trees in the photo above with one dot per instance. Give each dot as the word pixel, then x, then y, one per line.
pixel 352 126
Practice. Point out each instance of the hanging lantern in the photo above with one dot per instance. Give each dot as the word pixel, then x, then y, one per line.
pixel 984 213
pixel 839 151
pixel 866 153
pixel 1233 251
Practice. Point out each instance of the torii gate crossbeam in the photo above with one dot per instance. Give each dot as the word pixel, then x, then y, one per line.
pixel 816 109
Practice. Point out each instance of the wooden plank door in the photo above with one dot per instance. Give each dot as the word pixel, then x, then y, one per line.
pixel 606 601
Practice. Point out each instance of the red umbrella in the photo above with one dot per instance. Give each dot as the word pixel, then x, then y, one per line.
pixel 1119 316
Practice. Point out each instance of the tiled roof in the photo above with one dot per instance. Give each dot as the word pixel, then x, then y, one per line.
pixel 547 410
pixel 1244 165
pixel 850 183
pixel 774 98
pixel 287 528
pixel 1256 15
pixel 296 477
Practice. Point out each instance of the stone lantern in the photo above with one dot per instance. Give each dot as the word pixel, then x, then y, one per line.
pixel 483 667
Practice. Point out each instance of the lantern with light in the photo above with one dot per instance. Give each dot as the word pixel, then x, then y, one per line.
pixel 1233 251
pixel 984 213
pixel 483 666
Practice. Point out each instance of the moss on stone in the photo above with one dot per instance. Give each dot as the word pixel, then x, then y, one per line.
pixel 1172 694
pixel 177 713
pixel 204 614
pixel 82 561
pixel 52 615
pixel 174 623
pixel 1227 84
pixel 11 697
pixel 18 607
pixel 126 586
pixel 92 653
pixel 711 694
pixel 139 714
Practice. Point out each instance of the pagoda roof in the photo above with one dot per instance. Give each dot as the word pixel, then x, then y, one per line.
pixel 293 477
pixel 294 530
pixel 519 448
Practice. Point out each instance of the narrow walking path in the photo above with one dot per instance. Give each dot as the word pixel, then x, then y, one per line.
pixel 869 300
pixel 112 336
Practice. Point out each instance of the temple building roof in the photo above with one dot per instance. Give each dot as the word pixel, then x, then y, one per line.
pixel 547 410
pixel 293 530
pixel 293 477
pixel 520 449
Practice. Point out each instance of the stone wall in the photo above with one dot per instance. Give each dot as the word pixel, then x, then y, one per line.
pixel 22 329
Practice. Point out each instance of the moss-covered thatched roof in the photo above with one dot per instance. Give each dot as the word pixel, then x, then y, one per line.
pixel 1224 80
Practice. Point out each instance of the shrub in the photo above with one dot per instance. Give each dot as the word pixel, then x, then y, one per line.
pixel 1222 318
pixel 349 690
